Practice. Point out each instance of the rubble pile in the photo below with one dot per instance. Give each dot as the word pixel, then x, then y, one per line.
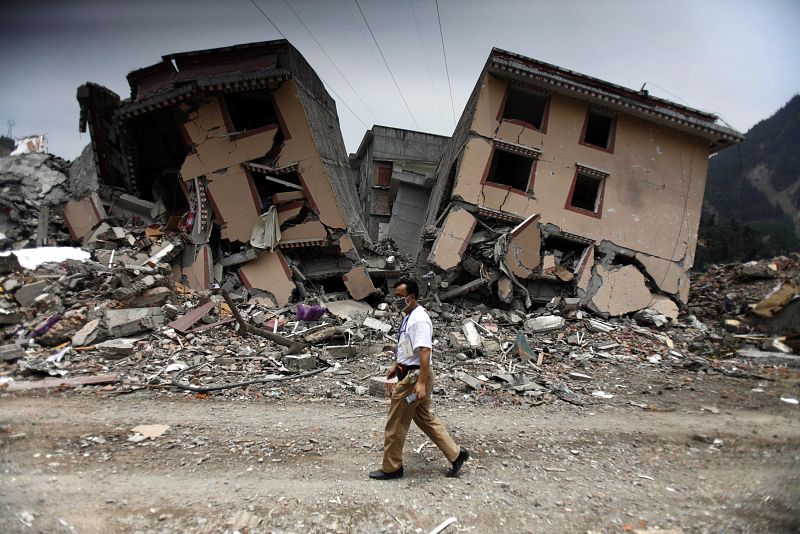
pixel 753 305
pixel 32 185
pixel 121 320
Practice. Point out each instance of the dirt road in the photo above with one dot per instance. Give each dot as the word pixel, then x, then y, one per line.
pixel 300 465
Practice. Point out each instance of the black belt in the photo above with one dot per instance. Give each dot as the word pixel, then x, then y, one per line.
pixel 401 370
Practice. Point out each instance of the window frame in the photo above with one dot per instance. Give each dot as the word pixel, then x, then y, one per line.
pixel 602 176
pixel 378 165
pixel 234 134
pixel 531 90
pixel 533 155
pixel 612 134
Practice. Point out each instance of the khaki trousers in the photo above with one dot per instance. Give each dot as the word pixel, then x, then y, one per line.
pixel 402 413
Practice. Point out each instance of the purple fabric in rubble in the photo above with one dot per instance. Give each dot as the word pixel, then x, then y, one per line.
pixel 310 313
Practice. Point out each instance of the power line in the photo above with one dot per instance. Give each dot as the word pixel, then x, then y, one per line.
pixel 320 77
pixel 387 65
pixel 441 36
pixel 332 61
pixel 267 17
pixel 427 61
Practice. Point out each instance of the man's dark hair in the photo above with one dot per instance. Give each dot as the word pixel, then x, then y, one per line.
pixel 411 286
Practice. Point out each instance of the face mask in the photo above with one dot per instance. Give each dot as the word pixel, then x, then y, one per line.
pixel 400 304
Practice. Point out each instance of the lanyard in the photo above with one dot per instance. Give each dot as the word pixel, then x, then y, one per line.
pixel 403 324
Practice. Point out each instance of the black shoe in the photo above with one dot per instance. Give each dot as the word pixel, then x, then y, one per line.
pixel 462 457
pixel 380 475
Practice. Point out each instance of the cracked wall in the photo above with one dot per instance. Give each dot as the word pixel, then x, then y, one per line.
pixel 453 239
pixel 652 193
pixel 620 290
pixel 523 254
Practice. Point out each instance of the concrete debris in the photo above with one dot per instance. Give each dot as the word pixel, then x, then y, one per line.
pixel 378 384
pixel 375 324
pixel 761 357
pixel 150 431
pixel 545 323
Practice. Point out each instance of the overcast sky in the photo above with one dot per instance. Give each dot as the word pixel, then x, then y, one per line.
pixel 736 58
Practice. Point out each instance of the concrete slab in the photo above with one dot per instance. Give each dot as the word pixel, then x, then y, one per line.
pixel 665 306
pixel 358 283
pixel 348 309
pixel 83 215
pixel 269 272
pixel 523 255
pixel 545 323
pixel 451 243
pixel 199 273
pixel 130 321
pixel 622 291
pixel 28 293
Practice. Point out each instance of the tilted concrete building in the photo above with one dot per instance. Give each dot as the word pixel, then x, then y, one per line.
pixel 238 145
pixel 396 171
pixel 553 179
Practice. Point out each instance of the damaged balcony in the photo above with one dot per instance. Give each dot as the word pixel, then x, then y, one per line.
pixel 230 151
pixel 556 184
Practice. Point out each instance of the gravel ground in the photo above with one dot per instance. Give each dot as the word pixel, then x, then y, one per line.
pixel 299 463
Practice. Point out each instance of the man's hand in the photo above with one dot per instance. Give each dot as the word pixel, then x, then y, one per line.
pixel 391 371
pixel 421 389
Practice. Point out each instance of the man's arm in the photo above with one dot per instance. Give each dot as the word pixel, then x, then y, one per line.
pixel 424 369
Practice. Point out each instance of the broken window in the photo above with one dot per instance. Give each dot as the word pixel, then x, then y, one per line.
pixel 525 106
pixel 268 184
pixel 510 169
pixel 383 174
pixel 250 110
pixel 560 250
pixel 599 129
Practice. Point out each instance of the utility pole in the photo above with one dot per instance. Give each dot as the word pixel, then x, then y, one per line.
pixel 10 123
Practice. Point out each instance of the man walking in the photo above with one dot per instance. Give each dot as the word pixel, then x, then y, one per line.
pixel 411 397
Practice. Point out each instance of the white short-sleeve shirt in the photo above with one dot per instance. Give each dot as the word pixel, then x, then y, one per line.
pixel 416 332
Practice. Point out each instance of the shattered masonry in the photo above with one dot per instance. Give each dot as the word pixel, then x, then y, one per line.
pixel 240 149
pixel 615 179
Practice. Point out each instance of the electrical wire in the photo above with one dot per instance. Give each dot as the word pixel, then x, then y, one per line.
pixel 329 86
pixel 447 70
pixel 427 61
pixel 387 65
pixel 267 17
pixel 331 60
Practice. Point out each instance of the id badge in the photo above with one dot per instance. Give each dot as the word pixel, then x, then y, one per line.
pixel 406 350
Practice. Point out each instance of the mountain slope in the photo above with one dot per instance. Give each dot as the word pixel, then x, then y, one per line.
pixel 755 186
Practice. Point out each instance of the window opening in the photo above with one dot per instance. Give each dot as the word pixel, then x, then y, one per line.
pixel 250 110
pixel 383 174
pixel 586 192
pixel 525 106
pixel 267 185
pixel 598 129
pixel 565 252
pixel 510 169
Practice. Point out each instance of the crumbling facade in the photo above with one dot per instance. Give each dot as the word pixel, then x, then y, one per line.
pixel 556 183
pixel 239 150
pixel 396 171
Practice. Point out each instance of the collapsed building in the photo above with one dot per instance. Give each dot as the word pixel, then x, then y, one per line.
pixel 554 184
pixel 396 171
pixel 558 184
pixel 238 151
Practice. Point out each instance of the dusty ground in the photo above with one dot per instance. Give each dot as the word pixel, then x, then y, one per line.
pixel 294 464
